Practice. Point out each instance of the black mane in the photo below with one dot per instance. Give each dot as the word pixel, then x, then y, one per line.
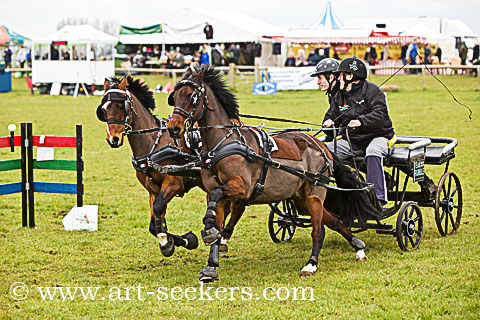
pixel 214 79
pixel 140 90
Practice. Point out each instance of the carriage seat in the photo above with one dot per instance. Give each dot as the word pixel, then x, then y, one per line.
pixel 436 155
pixel 403 155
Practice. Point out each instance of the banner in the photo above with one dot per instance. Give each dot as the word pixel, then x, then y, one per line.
pixel 293 78
pixel 157 28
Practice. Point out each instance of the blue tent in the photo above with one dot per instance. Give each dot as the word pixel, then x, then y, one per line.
pixel 328 20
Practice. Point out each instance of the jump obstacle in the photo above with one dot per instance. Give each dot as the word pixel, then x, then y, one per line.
pixel 27 164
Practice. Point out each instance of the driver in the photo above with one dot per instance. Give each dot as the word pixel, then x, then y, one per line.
pixel 327 73
pixel 361 107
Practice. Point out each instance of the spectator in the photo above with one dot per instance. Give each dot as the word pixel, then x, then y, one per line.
pixel 290 62
pixel 438 53
pixel 313 57
pixel 178 60
pixel 326 51
pixel 138 60
pixel 462 53
pixel 22 56
pixel 301 61
pixel 475 60
pixel 233 54
pixel 204 55
pixel 427 54
pixel 366 56
pixel 54 53
pixel 373 57
pixel 7 57
pixel 66 55
pixel 217 56
pixel 412 55
pixel 403 54
pixel 29 58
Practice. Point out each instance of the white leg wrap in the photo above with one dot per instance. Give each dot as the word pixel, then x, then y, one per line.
pixel 162 239
pixel 223 241
pixel 361 255
pixel 309 268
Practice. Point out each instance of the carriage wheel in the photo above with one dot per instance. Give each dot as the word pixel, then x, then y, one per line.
pixel 448 204
pixel 409 226
pixel 280 225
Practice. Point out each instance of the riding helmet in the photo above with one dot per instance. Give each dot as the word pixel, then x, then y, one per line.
pixel 355 66
pixel 325 66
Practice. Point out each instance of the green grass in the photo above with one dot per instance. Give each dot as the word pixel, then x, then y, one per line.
pixel 439 280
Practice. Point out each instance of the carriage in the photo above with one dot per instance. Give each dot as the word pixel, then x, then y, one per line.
pixel 411 153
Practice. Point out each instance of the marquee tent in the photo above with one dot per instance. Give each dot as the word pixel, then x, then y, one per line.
pixel 73 54
pixel 185 26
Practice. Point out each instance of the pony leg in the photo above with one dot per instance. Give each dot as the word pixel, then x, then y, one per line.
pixel 336 224
pixel 210 232
pixel 315 208
pixel 237 212
pixel 235 188
pixel 171 186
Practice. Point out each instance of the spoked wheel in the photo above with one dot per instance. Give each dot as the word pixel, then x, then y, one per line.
pixel 409 226
pixel 280 223
pixel 448 204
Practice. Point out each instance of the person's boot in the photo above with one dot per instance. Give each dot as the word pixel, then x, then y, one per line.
pixel 429 188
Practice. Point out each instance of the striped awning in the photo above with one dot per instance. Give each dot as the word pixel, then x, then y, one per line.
pixel 351 40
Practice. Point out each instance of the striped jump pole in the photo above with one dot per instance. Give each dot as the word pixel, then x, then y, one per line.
pixel 28 186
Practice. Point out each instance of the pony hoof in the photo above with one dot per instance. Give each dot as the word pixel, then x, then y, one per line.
pixel 166 243
pixel 168 249
pixel 308 270
pixel 208 274
pixel 191 240
pixel 223 248
pixel 361 256
pixel 305 274
pixel 209 236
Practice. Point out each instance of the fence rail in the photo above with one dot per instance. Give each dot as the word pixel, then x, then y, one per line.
pixel 234 70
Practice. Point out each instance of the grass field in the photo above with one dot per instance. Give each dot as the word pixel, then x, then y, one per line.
pixel 439 280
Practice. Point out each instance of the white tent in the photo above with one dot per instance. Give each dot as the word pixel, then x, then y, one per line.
pixel 73 54
pixel 446 43
pixel 185 26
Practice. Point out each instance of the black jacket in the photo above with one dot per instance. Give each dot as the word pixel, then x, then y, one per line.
pixel 366 103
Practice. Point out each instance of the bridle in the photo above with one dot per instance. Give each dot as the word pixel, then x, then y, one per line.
pixel 118 95
pixel 195 98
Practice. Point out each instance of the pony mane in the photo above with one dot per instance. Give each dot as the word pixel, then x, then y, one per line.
pixel 214 79
pixel 140 90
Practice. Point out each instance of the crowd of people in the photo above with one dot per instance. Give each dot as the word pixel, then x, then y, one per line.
pixel 181 56
pixel 411 53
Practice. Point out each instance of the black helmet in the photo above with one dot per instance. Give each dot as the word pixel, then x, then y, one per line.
pixel 327 65
pixel 355 66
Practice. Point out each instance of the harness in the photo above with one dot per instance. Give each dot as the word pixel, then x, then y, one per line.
pixel 152 160
pixel 115 94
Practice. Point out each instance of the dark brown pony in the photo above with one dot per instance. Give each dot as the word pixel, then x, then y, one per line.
pixel 127 108
pixel 202 97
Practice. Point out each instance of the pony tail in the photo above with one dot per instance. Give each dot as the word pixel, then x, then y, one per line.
pixel 349 205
